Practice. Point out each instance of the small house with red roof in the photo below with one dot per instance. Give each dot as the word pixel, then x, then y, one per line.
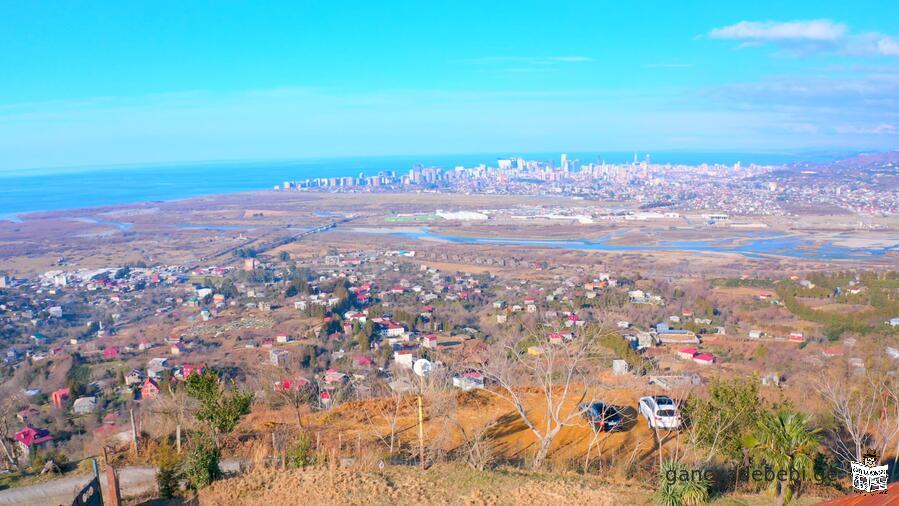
pixel 687 353
pixel 393 329
pixel 556 338
pixel 31 438
pixel 150 389
pixel 797 337
pixel 188 369
pixel 704 358
pixel 111 353
pixel 297 383
pixel 429 341
pixel 333 376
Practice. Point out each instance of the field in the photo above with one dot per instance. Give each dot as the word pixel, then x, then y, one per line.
pixel 204 229
pixel 443 484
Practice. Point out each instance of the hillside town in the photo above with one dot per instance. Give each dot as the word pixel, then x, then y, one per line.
pixel 88 351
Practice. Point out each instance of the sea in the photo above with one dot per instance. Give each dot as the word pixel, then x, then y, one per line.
pixel 23 191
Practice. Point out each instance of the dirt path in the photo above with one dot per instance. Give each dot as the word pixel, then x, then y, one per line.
pixel 133 481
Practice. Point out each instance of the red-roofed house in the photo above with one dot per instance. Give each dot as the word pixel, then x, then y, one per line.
pixel 704 359
pixel 797 337
pixel 687 353
pixel 149 390
pixel 188 369
pixel 293 383
pixel 394 329
pixel 334 376
pixel 31 438
pixel 111 353
pixel 325 398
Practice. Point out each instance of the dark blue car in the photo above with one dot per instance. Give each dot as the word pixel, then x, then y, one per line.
pixel 603 416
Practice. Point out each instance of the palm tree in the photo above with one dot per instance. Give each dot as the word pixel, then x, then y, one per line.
pixel 785 442
pixel 680 487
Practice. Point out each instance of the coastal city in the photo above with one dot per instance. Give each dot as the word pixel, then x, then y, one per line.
pixel 749 189
pixel 351 308
pixel 449 253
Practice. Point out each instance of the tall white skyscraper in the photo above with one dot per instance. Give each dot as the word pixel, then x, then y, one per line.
pixel 564 162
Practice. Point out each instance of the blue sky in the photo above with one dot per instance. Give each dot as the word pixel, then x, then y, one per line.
pixel 90 83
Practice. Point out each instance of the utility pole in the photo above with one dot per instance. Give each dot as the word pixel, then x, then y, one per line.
pixel 421 423
pixel 421 434
pixel 133 433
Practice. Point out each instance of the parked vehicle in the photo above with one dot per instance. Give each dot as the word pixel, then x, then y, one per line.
pixel 602 416
pixel 660 411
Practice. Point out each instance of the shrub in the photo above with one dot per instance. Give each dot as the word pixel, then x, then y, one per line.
pixel 202 465
pixel 299 454
pixel 168 474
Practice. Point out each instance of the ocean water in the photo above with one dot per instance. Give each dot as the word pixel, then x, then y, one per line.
pixel 22 191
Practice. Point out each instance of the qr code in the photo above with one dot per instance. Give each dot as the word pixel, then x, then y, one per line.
pixel 878 482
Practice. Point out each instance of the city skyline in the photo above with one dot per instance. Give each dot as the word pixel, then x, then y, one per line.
pixel 101 85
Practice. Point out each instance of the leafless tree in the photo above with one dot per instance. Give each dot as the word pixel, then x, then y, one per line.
pixel 7 413
pixel 476 447
pixel 173 407
pixel 867 413
pixel 387 410
pixel 560 373
pixel 292 389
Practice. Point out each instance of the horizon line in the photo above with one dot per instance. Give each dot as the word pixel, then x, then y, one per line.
pixel 280 160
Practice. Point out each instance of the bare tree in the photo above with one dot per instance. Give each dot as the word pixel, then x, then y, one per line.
pixel 291 388
pixel 560 374
pixel 7 413
pixel 867 413
pixel 386 411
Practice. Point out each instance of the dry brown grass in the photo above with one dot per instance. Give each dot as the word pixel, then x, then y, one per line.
pixel 442 484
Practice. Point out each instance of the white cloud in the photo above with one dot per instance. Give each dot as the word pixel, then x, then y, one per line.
pixel 880 129
pixel 888 46
pixel 818 30
pixel 808 36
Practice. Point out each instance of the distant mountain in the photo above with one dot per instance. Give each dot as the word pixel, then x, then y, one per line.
pixel 880 169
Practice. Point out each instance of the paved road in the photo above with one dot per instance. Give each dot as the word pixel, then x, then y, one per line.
pixel 133 481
